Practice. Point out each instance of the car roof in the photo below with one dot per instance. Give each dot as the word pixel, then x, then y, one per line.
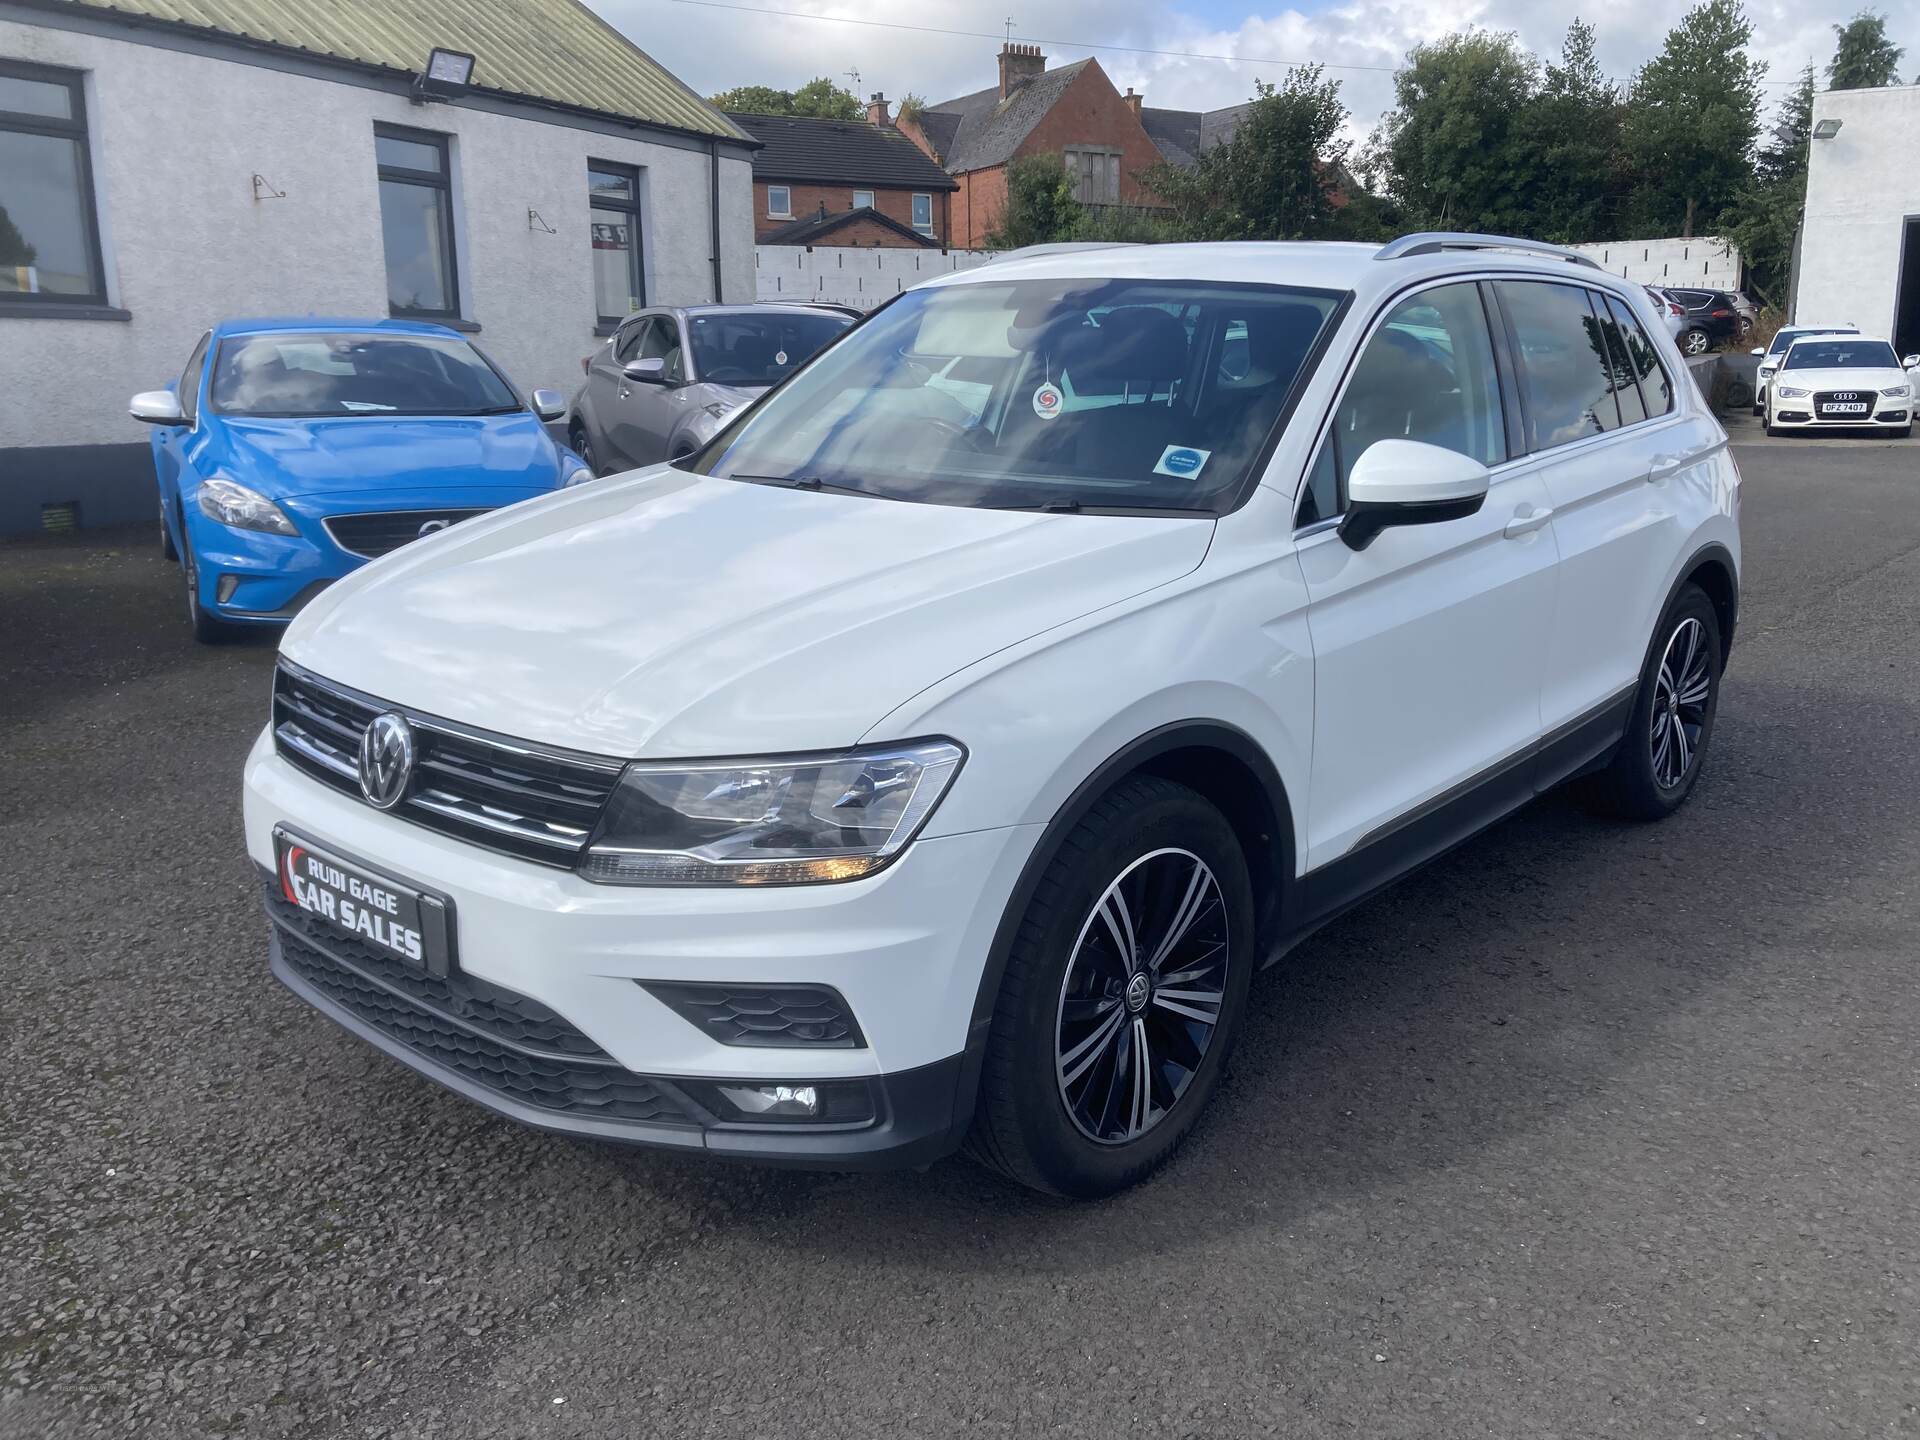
pixel 1310 264
pixel 764 308
pixel 1825 335
pixel 310 324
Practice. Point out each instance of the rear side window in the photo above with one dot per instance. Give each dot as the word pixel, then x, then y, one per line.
pixel 1656 390
pixel 1566 375
pixel 1427 374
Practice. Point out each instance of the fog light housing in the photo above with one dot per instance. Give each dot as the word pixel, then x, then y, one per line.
pixel 223 591
pixel 838 1103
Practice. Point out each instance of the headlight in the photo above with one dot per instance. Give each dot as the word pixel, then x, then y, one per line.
pixel 1766 370
pixel 1787 392
pixel 573 470
pixel 242 508
pixel 1897 392
pixel 794 820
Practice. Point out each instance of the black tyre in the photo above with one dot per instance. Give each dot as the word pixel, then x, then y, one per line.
pixel 166 535
pixel 1905 432
pixel 207 629
pixel 1667 733
pixel 1138 943
pixel 583 447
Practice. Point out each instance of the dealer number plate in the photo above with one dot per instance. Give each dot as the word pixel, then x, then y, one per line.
pixel 413 927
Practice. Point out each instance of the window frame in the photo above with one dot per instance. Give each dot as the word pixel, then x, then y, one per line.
pixel 630 207
pixel 188 393
pixel 872 201
pixel 1069 154
pixel 74 129
pixel 785 212
pixel 917 227
pixel 443 182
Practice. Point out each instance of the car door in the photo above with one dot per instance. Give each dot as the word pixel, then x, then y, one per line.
pixel 1618 456
pixel 644 411
pixel 170 463
pixel 1428 644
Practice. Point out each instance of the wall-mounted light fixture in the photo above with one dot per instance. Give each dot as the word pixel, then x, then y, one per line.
pixel 449 73
pixel 1826 130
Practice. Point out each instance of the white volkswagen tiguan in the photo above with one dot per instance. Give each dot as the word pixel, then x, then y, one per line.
pixel 932 760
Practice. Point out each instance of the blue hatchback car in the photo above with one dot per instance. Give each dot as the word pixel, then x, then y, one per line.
pixel 292 451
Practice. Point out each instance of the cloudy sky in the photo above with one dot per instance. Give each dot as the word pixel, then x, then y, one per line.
pixel 714 48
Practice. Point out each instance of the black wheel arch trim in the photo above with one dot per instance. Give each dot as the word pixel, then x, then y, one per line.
pixel 1721 558
pixel 1135 755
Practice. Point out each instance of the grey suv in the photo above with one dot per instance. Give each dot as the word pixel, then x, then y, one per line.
pixel 669 378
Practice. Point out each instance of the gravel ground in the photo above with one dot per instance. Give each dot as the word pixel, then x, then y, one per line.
pixel 1586 1130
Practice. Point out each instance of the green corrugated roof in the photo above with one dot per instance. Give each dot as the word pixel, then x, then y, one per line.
pixel 556 50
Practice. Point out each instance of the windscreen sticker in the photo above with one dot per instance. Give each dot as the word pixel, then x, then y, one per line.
pixel 1182 461
pixel 1046 401
pixel 780 357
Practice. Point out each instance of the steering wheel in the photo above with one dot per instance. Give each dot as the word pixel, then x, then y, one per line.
pixel 960 434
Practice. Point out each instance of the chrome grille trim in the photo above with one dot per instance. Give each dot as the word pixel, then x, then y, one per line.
pixel 537 802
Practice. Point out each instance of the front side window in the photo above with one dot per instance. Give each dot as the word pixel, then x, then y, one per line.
pixel 304 376
pixel 923 214
pixel 779 202
pixel 613 215
pixel 1069 394
pixel 662 342
pixel 626 345
pixel 1566 373
pixel 1850 354
pixel 1426 374
pixel 416 222
pixel 756 350
pixel 49 236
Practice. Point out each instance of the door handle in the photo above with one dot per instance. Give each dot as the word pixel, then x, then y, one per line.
pixel 1664 467
pixel 624 391
pixel 1525 522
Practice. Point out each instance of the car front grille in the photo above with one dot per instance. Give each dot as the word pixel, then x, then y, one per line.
pixel 1823 399
pixel 378 532
pixel 531 801
pixel 579 1086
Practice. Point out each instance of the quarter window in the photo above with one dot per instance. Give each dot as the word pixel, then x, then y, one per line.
pixel 1567 378
pixel 1427 374
pixel 416 222
pixel 188 391
pixel 613 193
pixel 779 202
pixel 923 214
pixel 1656 391
pixel 49 235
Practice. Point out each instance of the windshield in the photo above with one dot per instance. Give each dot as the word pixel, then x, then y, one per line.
pixel 303 376
pixel 1041 394
pixel 1841 355
pixel 756 349
pixel 1786 337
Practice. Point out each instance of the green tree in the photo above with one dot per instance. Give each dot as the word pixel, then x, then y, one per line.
pixel 1574 132
pixel 14 249
pixel 1865 58
pixel 1275 178
pixel 1691 121
pixel 823 100
pixel 1040 208
pixel 1768 214
pixel 1454 151
pixel 818 99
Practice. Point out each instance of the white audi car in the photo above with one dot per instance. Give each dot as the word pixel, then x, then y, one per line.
pixel 1843 381
pixel 1770 355
pixel 932 759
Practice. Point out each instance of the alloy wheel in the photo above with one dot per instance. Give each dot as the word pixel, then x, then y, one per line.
pixel 1142 995
pixel 1697 342
pixel 1681 693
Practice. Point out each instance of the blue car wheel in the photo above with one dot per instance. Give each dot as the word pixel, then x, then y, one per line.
pixel 207 629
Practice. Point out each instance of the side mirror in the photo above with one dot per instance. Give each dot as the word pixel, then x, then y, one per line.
pixel 157 407
pixel 1912 362
pixel 549 404
pixel 1408 482
pixel 1758 350
pixel 647 372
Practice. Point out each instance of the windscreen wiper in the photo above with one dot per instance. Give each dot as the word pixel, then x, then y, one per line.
pixel 799 482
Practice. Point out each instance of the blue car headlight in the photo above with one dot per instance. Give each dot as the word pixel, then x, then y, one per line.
pixel 573 470
pixel 243 509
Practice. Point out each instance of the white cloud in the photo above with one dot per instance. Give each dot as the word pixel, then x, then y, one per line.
pixel 714 49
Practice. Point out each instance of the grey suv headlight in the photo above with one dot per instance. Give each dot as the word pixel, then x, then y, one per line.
pixel 785 820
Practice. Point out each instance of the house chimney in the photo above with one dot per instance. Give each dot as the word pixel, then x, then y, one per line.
pixel 1018 65
pixel 1133 101
pixel 877 110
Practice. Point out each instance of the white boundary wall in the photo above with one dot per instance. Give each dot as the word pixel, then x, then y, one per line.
pixel 1705 262
pixel 861 276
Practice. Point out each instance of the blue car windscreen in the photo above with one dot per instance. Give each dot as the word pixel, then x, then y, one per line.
pixel 302 375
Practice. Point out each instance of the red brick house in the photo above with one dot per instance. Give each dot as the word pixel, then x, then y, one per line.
pixel 1073 112
pixel 841 182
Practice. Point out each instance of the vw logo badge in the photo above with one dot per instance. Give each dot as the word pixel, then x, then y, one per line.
pixel 432 527
pixel 1139 988
pixel 386 760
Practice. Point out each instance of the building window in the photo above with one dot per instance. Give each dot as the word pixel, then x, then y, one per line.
pixel 49 234
pixel 416 222
pixel 1095 173
pixel 923 214
pixel 863 199
pixel 779 202
pixel 614 195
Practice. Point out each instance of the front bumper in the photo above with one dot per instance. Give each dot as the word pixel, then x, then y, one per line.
pixel 905 948
pixel 1798 414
